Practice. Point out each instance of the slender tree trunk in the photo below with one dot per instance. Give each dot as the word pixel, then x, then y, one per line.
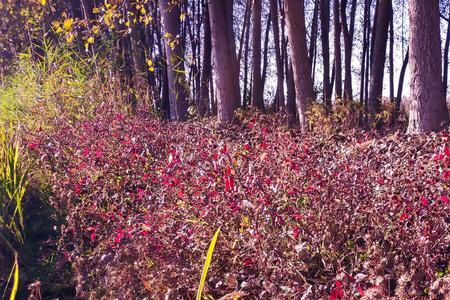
pixel 400 83
pixel 313 40
pixel 257 88
pixel 348 47
pixel 428 111
pixel 225 60
pixel 325 28
pixel 246 94
pixel 391 56
pixel 368 60
pixel 175 58
pixel 295 20
pixel 445 66
pixel 279 62
pixel 365 46
pixel 244 29
pixel 265 51
pixel 290 104
pixel 206 71
pixel 337 50
pixel 379 58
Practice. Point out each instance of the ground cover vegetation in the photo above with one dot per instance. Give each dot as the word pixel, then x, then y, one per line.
pixel 221 150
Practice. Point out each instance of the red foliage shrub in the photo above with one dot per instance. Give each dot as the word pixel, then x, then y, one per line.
pixel 340 216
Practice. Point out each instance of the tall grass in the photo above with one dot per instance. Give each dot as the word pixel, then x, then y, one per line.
pixel 44 85
pixel 14 275
pixel 209 255
pixel 13 184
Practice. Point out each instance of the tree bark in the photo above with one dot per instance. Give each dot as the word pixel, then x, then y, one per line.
pixel 175 58
pixel 313 39
pixel 428 111
pixel 348 47
pixel 206 70
pixel 445 66
pixel 337 50
pixel 295 20
pixel 265 52
pixel 257 88
pixel 325 37
pixel 364 51
pixel 276 40
pixel 379 58
pixel 400 82
pixel 290 105
pixel 225 60
pixel 391 56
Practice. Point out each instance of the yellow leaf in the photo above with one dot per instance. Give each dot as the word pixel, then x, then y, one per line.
pixel 127 23
pixel 151 69
pixel 15 286
pixel 70 38
pixel 167 35
pixel 90 40
pixel 143 11
pixel 67 25
pixel 95 10
pixel 149 62
pixel 44 2
pixel 182 16
pixel 95 29
pixel 207 263
pixel 86 46
pixel 56 24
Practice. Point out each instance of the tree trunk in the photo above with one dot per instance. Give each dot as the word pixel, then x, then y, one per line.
pixel 337 50
pixel 290 104
pixel 379 58
pixel 295 21
pixel 206 71
pixel 257 88
pixel 265 52
pixel 348 47
pixel 244 29
pixel 445 66
pixel 225 60
pixel 400 82
pixel 428 111
pixel 175 58
pixel 364 51
pixel 313 39
pixel 276 40
pixel 391 56
pixel 325 28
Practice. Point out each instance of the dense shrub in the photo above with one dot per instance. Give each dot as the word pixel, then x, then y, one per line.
pixel 334 215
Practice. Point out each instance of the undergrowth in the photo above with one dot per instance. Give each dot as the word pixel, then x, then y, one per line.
pixel 323 214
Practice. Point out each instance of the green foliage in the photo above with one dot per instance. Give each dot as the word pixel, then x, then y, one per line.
pixel 344 116
pixel 13 184
pixel 44 86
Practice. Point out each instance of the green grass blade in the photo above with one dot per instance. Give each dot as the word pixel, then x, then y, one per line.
pixel 16 280
pixel 207 263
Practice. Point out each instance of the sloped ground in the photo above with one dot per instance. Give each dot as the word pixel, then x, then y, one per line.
pixel 320 216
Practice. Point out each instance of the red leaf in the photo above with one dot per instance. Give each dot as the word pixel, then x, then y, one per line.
pixel 295 232
pixel 33 146
pixel 404 216
pixel 444 199
pixel 360 291
pixel 424 201
pixel 447 150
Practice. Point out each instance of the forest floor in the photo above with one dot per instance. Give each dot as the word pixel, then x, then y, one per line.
pixel 333 213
